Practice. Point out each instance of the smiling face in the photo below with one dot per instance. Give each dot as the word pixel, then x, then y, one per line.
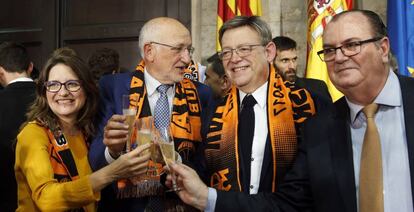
pixel 250 72
pixel 363 72
pixel 65 104
pixel 167 60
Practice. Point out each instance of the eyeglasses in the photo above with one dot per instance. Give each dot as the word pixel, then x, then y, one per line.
pixel 348 49
pixel 176 49
pixel 55 86
pixel 242 51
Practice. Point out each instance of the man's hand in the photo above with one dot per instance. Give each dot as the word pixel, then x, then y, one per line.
pixel 194 192
pixel 115 135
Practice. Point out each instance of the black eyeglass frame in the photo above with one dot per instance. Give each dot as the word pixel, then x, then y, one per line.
pixel 356 44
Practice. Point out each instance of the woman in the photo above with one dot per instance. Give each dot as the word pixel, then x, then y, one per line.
pixel 52 168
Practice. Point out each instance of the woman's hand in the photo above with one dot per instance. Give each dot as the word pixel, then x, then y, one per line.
pixel 131 164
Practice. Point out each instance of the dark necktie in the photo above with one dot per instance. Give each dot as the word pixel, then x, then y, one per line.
pixel 370 176
pixel 245 136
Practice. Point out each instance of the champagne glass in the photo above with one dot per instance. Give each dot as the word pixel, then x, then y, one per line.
pixel 129 111
pixel 166 144
pixel 145 134
pixel 144 127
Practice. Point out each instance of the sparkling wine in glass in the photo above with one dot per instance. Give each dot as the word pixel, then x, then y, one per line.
pixel 130 112
pixel 144 127
pixel 166 144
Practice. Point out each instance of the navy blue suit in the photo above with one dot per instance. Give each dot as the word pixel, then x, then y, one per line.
pixel 322 178
pixel 112 87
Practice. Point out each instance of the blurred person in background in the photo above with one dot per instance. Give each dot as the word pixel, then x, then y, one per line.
pixel 15 98
pixel 104 61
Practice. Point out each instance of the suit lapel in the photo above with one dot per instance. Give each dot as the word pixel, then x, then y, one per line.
pixel 407 88
pixel 342 159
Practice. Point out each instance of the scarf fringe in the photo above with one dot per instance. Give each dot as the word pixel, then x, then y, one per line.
pixel 147 187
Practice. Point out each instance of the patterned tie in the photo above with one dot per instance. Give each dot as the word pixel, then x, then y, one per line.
pixel 161 120
pixel 245 135
pixel 162 108
pixel 370 176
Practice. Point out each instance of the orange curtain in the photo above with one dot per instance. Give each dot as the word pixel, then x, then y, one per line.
pixel 227 9
pixel 319 14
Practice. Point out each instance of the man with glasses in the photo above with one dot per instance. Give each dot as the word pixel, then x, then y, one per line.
pixel 348 161
pixel 251 137
pixel 161 91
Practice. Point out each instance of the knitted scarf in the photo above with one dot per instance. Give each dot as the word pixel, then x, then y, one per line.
pixel 286 106
pixel 61 158
pixel 192 71
pixel 185 127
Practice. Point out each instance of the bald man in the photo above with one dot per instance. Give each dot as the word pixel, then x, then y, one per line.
pixel 165 47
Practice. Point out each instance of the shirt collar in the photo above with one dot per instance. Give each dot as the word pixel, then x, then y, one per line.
pixel 260 95
pixel 390 95
pixel 151 84
pixel 21 79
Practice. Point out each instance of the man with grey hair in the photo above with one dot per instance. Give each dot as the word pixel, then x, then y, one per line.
pixel 357 155
pixel 251 136
pixel 165 47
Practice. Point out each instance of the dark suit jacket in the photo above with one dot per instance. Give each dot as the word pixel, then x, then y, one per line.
pixel 15 99
pixel 322 178
pixel 314 86
pixel 112 87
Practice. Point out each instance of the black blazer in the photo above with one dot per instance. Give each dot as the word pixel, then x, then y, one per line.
pixel 15 99
pixel 322 178
pixel 314 86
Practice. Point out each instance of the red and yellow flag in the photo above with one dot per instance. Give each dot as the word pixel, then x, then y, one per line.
pixel 320 12
pixel 227 9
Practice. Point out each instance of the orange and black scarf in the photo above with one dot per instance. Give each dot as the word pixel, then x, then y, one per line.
pixel 185 127
pixel 61 158
pixel 192 71
pixel 286 106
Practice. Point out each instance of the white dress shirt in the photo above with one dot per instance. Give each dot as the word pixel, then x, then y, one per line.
pixel 151 85
pixel 259 136
pixel 391 127
pixel 258 147
pixel 21 79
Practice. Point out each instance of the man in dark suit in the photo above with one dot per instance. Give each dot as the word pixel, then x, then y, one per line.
pixel 250 141
pixel 165 47
pixel 286 65
pixel 15 98
pixel 336 169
